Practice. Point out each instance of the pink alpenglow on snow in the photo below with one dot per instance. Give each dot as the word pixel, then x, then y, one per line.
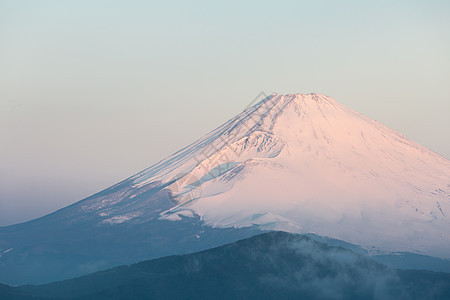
pixel 304 163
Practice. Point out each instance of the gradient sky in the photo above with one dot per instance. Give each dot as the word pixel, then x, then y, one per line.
pixel 92 92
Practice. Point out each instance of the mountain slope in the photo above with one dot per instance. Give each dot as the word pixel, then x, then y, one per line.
pixel 298 163
pixel 274 265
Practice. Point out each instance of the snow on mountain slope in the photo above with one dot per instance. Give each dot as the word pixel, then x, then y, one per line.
pixel 305 163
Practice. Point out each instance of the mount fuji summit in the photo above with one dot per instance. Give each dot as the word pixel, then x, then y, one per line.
pixel 300 163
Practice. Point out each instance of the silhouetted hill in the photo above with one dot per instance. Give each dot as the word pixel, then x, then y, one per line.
pixel 275 265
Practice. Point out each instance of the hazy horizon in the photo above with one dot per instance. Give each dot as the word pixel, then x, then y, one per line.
pixel 92 93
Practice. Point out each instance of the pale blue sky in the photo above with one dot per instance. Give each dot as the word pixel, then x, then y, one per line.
pixel 92 92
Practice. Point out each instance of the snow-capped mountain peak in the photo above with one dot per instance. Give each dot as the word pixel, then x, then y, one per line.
pixel 300 163
pixel 305 163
